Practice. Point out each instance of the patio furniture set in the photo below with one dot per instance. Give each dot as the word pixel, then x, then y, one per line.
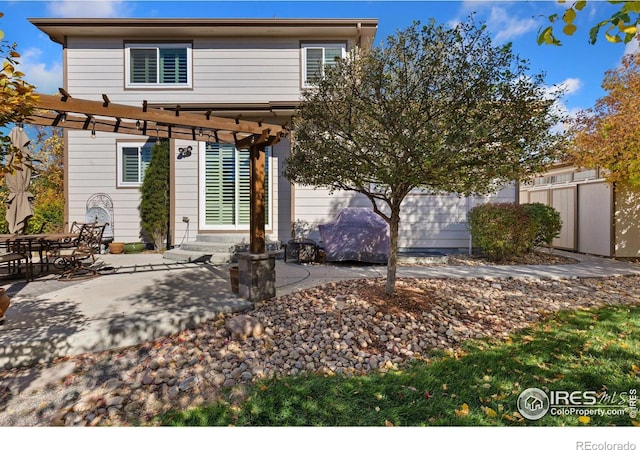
pixel 73 252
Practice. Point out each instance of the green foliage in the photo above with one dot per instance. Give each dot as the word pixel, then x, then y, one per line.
pixel 44 213
pixel 501 230
pixel 622 26
pixel 578 350
pixel 17 97
pixel 546 220
pixel 47 186
pixel 432 107
pixel 154 205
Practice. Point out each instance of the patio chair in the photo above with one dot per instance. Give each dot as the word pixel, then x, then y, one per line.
pixel 78 261
pixel 11 256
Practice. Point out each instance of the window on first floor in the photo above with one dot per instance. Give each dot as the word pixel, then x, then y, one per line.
pixel 225 185
pixel 158 65
pixel 133 160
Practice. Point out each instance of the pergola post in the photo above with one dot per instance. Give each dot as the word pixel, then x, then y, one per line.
pixel 256 269
pixel 257 205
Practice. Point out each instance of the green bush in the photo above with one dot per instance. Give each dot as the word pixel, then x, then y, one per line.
pixel 505 230
pixel 154 205
pixel 547 222
pixel 501 230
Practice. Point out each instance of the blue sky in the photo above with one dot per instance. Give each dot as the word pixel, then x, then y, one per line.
pixel 577 65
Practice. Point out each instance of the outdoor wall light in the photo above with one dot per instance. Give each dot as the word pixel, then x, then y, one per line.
pixel 137 124
pixel 184 152
pixel 93 130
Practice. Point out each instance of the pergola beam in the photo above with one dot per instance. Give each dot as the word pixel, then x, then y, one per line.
pixel 176 119
pixel 117 125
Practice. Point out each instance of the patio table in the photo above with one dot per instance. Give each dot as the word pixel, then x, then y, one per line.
pixel 41 242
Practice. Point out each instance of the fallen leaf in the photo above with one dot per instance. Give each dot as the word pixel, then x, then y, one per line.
pixel 263 388
pixel 377 408
pixel 463 411
pixel 444 387
pixel 508 417
pixel 388 423
pixel 635 423
pixel 489 412
pixel 427 394
pixel 584 419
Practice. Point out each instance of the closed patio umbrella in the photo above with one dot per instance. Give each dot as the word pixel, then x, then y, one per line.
pixel 19 201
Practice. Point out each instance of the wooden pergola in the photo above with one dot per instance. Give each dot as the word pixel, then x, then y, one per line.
pixel 67 112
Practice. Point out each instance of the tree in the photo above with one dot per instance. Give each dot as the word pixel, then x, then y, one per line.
pixel 154 205
pixel 433 108
pixel 17 100
pixel 48 184
pixel 608 135
pixel 622 26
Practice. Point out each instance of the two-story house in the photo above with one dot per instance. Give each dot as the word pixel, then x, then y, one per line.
pixel 255 69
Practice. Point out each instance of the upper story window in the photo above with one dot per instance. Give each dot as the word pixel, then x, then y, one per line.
pixel 318 56
pixel 151 65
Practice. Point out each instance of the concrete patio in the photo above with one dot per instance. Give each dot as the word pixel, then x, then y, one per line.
pixel 143 297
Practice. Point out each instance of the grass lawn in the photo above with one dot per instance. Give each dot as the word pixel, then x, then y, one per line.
pixel 596 350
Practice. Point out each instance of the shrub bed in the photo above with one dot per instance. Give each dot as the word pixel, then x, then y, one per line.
pixel 506 230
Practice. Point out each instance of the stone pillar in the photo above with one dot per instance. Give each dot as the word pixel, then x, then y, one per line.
pixel 257 275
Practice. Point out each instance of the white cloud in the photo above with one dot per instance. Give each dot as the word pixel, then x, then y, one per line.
pixel 633 46
pixel 91 8
pixel 507 26
pixel 566 87
pixel 571 85
pixel 46 79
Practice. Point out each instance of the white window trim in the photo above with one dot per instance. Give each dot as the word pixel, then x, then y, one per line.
pixel 151 45
pixel 121 146
pixel 317 46
pixel 202 204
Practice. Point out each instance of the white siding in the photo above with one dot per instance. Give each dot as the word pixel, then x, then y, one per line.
pixel 185 188
pixel 227 71
pixel 92 169
pixel 427 221
pixel 224 71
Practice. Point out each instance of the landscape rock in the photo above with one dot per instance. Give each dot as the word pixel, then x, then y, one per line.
pixel 133 385
pixel 243 326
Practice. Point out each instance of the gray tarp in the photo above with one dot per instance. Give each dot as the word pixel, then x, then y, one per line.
pixel 19 208
pixel 356 234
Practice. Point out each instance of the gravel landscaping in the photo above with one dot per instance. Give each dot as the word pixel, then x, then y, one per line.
pixel 302 332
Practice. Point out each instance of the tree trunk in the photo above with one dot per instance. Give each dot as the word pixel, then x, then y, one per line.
pixel 393 251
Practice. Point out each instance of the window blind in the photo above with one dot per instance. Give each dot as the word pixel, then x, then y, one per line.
pixel 227 186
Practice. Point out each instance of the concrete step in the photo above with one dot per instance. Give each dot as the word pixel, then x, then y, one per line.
pixel 181 255
pixel 223 238
pixel 214 248
pixel 209 247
